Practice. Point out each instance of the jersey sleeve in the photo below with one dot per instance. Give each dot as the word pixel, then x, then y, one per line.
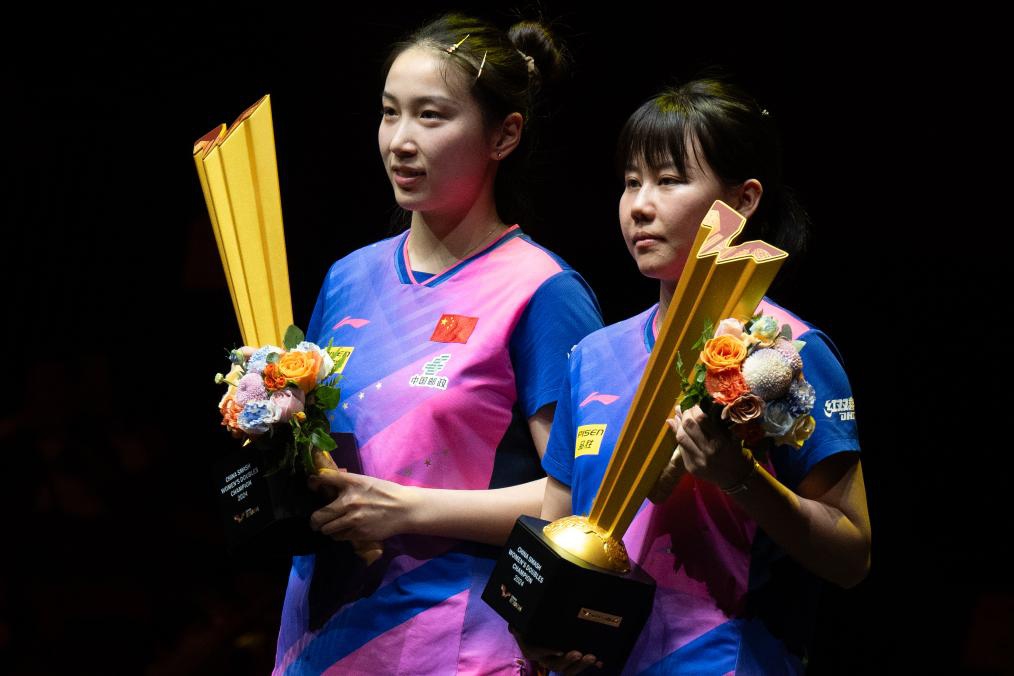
pixel 833 412
pixel 558 461
pixel 561 312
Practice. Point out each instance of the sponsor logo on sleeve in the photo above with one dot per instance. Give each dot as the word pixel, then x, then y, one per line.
pixel 340 356
pixel 589 439
pixel 844 408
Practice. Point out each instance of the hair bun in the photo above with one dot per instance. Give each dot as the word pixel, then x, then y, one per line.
pixel 534 39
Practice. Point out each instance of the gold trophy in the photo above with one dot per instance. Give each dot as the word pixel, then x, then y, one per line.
pixel 239 177
pixel 569 584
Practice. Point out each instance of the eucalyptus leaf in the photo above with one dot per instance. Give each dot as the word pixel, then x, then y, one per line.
pixel 786 332
pixel 322 440
pixel 272 358
pixel 327 396
pixel 293 337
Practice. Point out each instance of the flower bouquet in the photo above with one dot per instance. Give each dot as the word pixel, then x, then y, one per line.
pixel 752 371
pixel 277 402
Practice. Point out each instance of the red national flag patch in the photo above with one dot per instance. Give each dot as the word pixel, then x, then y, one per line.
pixel 453 329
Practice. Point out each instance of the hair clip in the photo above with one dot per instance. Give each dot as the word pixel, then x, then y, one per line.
pixel 481 65
pixel 529 61
pixel 454 47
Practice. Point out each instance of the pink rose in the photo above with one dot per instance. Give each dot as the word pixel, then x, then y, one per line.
pixel 743 410
pixel 289 401
pixel 730 327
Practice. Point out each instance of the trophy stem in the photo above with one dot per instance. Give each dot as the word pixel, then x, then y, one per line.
pixel 239 178
pixel 720 280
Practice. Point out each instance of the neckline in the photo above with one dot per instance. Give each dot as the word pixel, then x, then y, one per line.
pixel 404 267
pixel 651 328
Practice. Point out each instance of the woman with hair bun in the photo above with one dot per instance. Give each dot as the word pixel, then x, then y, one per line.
pixel 735 544
pixel 458 333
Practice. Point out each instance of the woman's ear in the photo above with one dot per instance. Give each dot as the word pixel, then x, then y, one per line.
pixel 746 197
pixel 508 136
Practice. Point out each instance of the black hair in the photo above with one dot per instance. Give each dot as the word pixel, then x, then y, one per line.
pixel 738 140
pixel 507 83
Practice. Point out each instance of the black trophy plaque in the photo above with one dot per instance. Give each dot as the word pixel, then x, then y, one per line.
pixel 555 600
pixel 264 512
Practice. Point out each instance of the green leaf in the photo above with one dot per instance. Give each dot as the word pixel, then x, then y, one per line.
pixel 322 440
pixel 272 358
pixel 799 345
pixel 786 332
pixel 293 337
pixel 705 336
pixel 327 396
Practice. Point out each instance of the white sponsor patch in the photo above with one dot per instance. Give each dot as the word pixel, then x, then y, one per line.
pixel 429 377
pixel 844 408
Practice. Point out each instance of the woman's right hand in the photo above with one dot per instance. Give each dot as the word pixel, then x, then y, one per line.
pixel 572 662
pixel 368 550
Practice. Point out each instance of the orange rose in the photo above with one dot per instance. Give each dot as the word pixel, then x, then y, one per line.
pixel 725 386
pixel 273 380
pixel 301 368
pixel 723 352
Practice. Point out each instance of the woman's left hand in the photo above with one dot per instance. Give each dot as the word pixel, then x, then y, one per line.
pixel 710 451
pixel 366 508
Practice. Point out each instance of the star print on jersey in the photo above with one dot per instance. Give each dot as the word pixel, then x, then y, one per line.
pixel 429 377
pixel 351 321
pixel 453 329
pixel 604 399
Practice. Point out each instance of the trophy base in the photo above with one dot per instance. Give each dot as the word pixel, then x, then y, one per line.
pixel 270 514
pixel 555 600
pixel 261 513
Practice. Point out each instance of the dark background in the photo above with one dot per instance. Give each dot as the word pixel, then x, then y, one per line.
pixel 117 310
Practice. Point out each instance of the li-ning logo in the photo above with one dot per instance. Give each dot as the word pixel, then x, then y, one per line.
pixel 845 408
pixel 349 320
pixel 429 377
pixel 604 399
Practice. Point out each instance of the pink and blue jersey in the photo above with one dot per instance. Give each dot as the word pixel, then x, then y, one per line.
pixel 727 600
pixel 440 374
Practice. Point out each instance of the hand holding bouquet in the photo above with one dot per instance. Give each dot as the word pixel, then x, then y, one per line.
pixel 749 379
pixel 278 401
pixel 754 372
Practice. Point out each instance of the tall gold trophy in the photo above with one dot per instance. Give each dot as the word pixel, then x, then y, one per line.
pixel 239 177
pixel 569 584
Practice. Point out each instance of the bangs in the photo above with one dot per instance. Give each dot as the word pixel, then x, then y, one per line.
pixel 656 136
